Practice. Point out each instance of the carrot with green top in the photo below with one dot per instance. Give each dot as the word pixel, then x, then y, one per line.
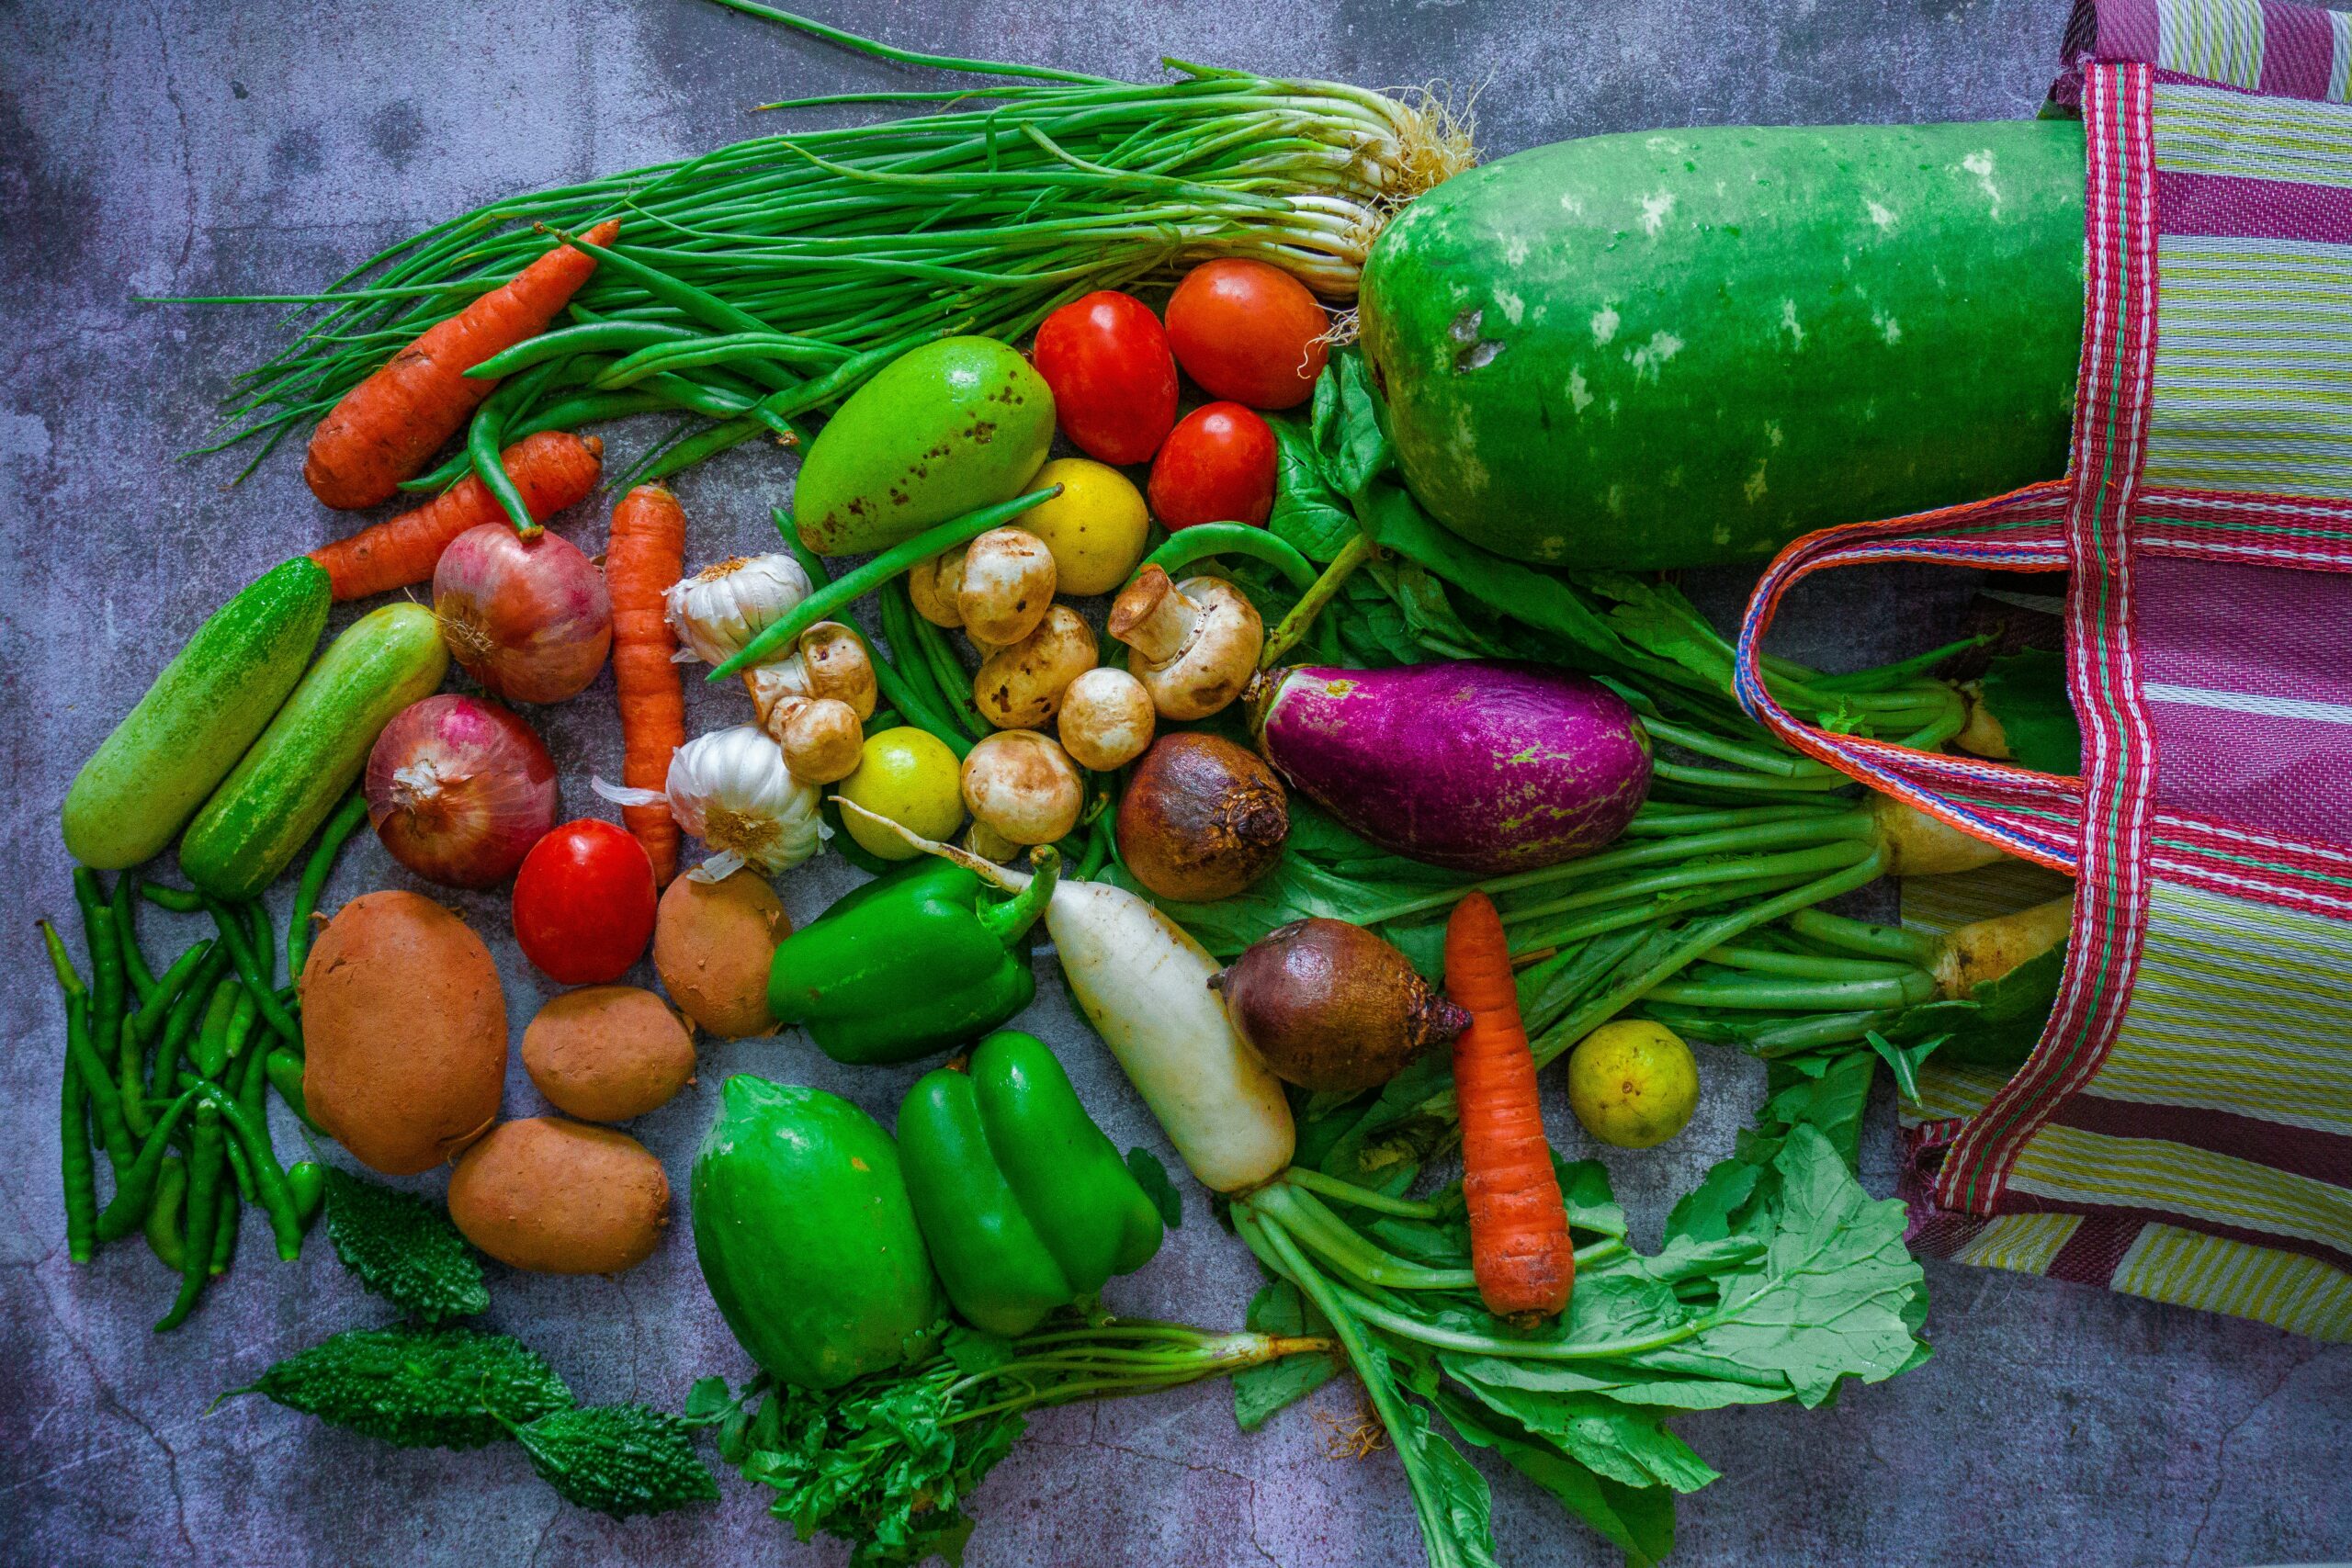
pixel 386 428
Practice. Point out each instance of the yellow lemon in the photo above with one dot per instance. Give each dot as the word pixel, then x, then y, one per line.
pixel 1095 527
pixel 1633 1083
pixel 907 775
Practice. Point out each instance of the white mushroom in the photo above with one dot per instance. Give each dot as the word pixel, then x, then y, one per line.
pixel 1196 643
pixel 814 702
pixel 1021 687
pixel 1006 587
pixel 933 586
pixel 1024 788
pixel 1106 719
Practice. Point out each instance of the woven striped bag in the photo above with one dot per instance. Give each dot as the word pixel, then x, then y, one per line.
pixel 2183 1129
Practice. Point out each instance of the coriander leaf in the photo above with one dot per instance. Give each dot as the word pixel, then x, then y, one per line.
pixel 1308 514
pixel 1628 1444
pixel 1152 1177
pixel 1638 1520
pixel 618 1460
pixel 404 1248
pixel 1830 1296
pixel 1258 1391
pixel 449 1387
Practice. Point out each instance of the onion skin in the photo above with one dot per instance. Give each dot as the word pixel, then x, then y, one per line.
pixel 1473 765
pixel 529 618
pixel 1329 1006
pixel 1201 819
pixel 459 789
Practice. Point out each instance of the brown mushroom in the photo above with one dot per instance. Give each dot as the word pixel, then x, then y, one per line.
pixel 1022 786
pixel 1021 687
pixel 1106 719
pixel 932 585
pixel 1006 587
pixel 1196 643
pixel 814 702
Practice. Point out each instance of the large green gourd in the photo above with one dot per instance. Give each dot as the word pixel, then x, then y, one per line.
pixel 941 431
pixel 1688 347
pixel 806 1237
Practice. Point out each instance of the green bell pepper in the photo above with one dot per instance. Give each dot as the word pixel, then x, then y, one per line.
pixel 910 963
pixel 1024 1205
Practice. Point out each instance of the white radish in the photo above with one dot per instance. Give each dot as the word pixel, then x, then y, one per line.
pixel 1143 982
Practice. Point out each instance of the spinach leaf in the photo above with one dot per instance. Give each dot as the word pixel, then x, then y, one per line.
pixel 1260 1392
pixel 1308 514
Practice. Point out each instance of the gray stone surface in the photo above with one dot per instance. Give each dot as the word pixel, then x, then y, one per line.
pixel 184 146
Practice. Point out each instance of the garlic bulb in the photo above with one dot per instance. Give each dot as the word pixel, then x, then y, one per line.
pixel 731 789
pixel 722 607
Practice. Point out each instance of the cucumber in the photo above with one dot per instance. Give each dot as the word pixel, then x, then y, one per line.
pixel 146 779
pixel 266 811
pixel 1687 348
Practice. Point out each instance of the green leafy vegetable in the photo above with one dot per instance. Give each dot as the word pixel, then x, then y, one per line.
pixel 1308 516
pixel 618 1458
pixel 404 1248
pixel 1258 1391
pixel 1152 1177
pixel 449 1387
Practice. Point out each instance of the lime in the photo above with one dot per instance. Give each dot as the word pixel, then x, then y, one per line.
pixel 1095 527
pixel 1633 1083
pixel 907 775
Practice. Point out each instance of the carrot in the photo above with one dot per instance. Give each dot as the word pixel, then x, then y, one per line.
pixel 1520 1249
pixel 646 554
pixel 386 427
pixel 552 469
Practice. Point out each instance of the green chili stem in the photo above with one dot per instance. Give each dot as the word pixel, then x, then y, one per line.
pixel 854 585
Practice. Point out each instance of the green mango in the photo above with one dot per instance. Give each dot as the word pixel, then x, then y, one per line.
pixel 942 429
pixel 806 1238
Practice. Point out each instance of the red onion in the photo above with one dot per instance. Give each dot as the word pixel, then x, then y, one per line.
pixel 528 618
pixel 459 789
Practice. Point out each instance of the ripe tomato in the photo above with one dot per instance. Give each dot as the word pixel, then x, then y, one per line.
pixel 584 902
pixel 1113 381
pixel 1248 331
pixel 1216 467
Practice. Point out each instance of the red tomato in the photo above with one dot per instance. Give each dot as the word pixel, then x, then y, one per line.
pixel 1113 381
pixel 1216 467
pixel 1248 331
pixel 584 902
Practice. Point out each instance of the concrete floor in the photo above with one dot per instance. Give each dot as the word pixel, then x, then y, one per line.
pixel 179 147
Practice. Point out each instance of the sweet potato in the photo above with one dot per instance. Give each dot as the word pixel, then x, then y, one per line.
pixel 608 1052
pixel 713 943
pixel 559 1197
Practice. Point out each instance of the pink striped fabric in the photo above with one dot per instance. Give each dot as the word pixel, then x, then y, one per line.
pixel 2269 47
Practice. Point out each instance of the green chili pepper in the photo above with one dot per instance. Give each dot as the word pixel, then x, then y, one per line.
pixel 179 900
pixel 212 1055
pixel 205 1158
pixel 134 963
pixel 268 1176
pixel 97 1080
pixel 307 1181
pixel 1024 1205
pixel 232 1203
pixel 239 1033
pixel 188 1014
pixel 910 963
pixel 105 995
pixel 135 1187
pixel 244 1171
pixel 284 1070
pixel 233 932
pixel 315 870
pixel 163 1227
pixel 76 1166
pixel 156 1012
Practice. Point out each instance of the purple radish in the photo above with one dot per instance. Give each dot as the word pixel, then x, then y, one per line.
pixel 1473 765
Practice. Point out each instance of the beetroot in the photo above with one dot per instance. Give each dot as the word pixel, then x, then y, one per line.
pixel 1474 764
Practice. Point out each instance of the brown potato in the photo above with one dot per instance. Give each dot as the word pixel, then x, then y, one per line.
pixel 712 945
pixel 608 1052
pixel 560 1197
pixel 404 1030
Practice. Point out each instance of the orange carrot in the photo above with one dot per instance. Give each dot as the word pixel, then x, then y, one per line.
pixel 552 469
pixel 385 428
pixel 1519 1247
pixel 646 554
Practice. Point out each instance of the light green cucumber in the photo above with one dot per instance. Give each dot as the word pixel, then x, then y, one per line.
pixel 1687 347
pixel 942 429
pixel 266 811
pixel 146 779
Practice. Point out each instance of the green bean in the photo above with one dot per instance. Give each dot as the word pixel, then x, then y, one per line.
pixel 232 930
pixel 179 900
pixel 485 436
pixel 154 1015
pixel 269 1177
pixel 699 303
pixel 819 575
pixel 339 828
pixel 133 1188
pixel 163 1226
pixel 96 1080
pixel 1206 539
pixel 695 449
pixel 205 1159
pixel 307 1180
pixel 954 684
pixel 76 1166
pixel 681 350
pixel 854 585
pixel 584 408
pixel 211 1054
pixel 284 1069
pixel 134 963
pixel 914 691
